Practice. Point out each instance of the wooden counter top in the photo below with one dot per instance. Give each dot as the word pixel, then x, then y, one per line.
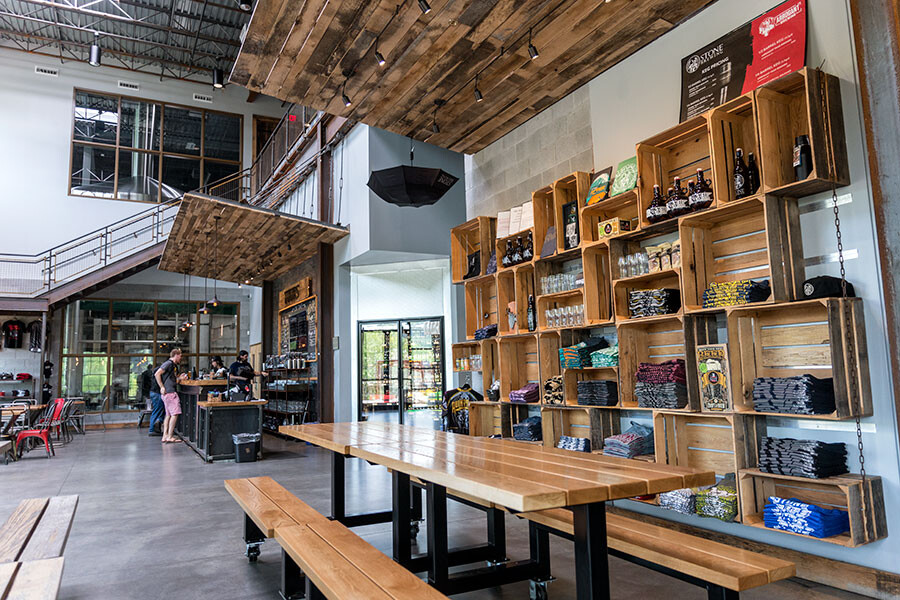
pixel 204 382
pixel 207 404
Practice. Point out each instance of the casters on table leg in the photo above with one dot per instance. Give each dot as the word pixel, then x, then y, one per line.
pixel 537 589
pixel 253 552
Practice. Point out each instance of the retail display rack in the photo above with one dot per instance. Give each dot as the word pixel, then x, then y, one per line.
pixel 756 238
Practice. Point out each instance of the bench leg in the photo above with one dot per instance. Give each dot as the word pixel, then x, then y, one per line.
pixel 539 543
pixel 717 592
pixel 591 562
pixel 401 517
pixel 312 592
pixel 436 496
pixel 294 583
pixel 496 535
pixel 416 514
pixel 253 538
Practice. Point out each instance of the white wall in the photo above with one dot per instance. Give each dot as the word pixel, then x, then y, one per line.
pixel 35 144
pixel 639 97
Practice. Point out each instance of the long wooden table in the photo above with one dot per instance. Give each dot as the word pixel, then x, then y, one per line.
pixel 516 476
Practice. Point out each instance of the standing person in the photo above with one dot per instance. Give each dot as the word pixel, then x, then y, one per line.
pixel 158 411
pixel 241 372
pixel 167 377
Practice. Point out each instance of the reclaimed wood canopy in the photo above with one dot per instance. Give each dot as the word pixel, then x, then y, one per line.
pixel 254 244
pixel 316 52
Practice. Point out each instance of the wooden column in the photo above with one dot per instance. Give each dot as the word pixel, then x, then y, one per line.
pixel 326 332
pixel 268 319
pixel 876 24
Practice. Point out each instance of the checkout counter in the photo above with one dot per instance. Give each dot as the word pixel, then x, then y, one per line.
pixel 207 423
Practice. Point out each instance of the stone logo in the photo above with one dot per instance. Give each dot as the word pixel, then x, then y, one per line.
pixel 808 289
pixel 693 64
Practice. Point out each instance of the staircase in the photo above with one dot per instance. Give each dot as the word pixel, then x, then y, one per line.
pixel 85 264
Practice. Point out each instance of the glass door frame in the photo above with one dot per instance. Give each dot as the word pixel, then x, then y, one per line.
pixel 401 403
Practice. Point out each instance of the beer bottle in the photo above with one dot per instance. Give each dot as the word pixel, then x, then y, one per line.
pixel 532 313
pixel 802 157
pixel 656 212
pixel 677 203
pixel 703 196
pixel 753 170
pixel 741 176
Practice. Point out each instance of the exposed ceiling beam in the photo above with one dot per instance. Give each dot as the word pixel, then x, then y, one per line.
pixel 184 14
pixel 130 21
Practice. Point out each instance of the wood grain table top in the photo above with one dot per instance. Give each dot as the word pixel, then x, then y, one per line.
pixel 517 475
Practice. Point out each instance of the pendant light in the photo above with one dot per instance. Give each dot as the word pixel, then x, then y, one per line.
pixel 204 309
pixel 96 51
pixel 344 95
pixel 215 299
pixel 218 78
pixel 379 57
pixel 184 325
pixel 424 7
pixel 478 95
pixel 532 51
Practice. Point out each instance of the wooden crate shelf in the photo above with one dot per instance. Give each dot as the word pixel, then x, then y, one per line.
pixel 500 248
pixel 475 235
pixel 571 377
pixel 678 152
pixel 716 442
pixel 506 301
pixel 583 422
pixel 624 206
pixel 864 502
pixel 559 300
pixel 571 188
pixel 598 300
pixel 481 304
pixel 489 418
pixel 796 338
pixel 655 340
pixel 670 278
pixel 465 350
pixel 544 217
pixel 731 126
pixel 747 239
pixel 792 106
pixel 519 363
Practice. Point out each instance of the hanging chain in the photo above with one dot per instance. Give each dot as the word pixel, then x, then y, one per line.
pixel 848 322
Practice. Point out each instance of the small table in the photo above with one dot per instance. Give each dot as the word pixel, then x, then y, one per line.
pixel 517 476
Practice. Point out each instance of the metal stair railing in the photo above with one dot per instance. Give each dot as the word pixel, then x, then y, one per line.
pixel 29 276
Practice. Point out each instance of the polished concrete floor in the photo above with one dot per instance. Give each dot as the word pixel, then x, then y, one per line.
pixel 156 522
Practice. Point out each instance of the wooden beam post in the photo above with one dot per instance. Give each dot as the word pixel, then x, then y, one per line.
pixel 268 320
pixel 326 333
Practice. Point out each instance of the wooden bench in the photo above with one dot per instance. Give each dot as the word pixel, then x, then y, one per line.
pixel 723 570
pixel 320 557
pixel 31 580
pixel 38 529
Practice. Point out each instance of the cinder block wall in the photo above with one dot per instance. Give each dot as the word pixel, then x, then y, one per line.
pixel 550 145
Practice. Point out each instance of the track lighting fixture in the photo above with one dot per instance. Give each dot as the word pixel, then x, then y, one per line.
pixel 344 95
pixel 96 51
pixel 379 57
pixel 426 8
pixel 218 78
pixel 245 6
pixel 478 95
pixel 434 127
pixel 532 51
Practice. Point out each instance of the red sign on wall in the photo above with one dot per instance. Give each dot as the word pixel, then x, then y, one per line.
pixel 769 47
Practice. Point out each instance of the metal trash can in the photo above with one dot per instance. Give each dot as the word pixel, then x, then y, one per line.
pixel 246 447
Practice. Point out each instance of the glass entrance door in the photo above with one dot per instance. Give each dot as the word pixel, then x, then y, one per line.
pixel 401 371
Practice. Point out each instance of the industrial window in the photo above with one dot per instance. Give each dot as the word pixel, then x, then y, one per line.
pixel 132 149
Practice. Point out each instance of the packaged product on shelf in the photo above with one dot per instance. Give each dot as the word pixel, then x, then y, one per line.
pixel 682 501
pixel 576 444
pixel 612 227
pixel 598 393
pixel 653 260
pixel 675 254
pixel 799 395
pixel 806 519
pixel 802 458
pixel 554 391
pixel 720 501
pixel 528 430
pixel 637 440
pixel 526 395
pixel 736 293
pixel 665 258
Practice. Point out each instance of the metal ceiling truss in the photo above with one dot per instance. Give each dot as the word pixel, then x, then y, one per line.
pixel 179 39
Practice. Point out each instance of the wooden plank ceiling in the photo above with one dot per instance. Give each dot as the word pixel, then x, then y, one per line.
pixel 302 52
pixel 255 244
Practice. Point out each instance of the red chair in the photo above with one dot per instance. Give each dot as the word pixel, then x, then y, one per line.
pixel 44 428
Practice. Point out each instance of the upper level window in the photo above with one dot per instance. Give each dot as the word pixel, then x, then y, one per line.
pixel 133 149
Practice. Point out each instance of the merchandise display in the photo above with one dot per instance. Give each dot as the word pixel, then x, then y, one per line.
pixel 562 282
pixel 799 395
pixel 34 336
pixel 612 227
pixel 549 247
pixel 598 393
pixel 492 264
pixel 826 286
pixel 682 501
pixel 579 355
pixel 605 357
pixel 565 316
pixel 528 430
pixel 719 501
pixel 651 303
pixel 661 385
pixel 576 444
pixel 554 392
pixel 802 160
pixel 802 458
pixel 528 394
pixel 637 440
pixel 736 293
pixel 701 195
pixel 807 519
pixel 488 331
pixel 468 363
pixel 741 176
pixel 599 187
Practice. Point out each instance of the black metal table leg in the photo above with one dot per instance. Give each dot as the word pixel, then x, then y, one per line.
pixel 591 560
pixel 496 535
pixel 293 581
pixel 401 517
pixel 416 514
pixel 312 592
pixel 253 538
pixel 436 500
pixel 717 592
pixel 338 498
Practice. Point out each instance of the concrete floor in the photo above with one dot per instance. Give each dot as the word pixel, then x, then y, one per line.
pixel 156 522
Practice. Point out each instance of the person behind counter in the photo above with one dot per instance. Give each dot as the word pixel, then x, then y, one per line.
pixel 217 368
pixel 167 377
pixel 242 373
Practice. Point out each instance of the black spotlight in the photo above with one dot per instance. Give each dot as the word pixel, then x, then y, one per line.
pixel 379 58
pixel 346 99
pixel 94 59
pixel 426 8
pixel 218 78
pixel 245 6
pixel 532 51
pixel 478 95
pixel 434 127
